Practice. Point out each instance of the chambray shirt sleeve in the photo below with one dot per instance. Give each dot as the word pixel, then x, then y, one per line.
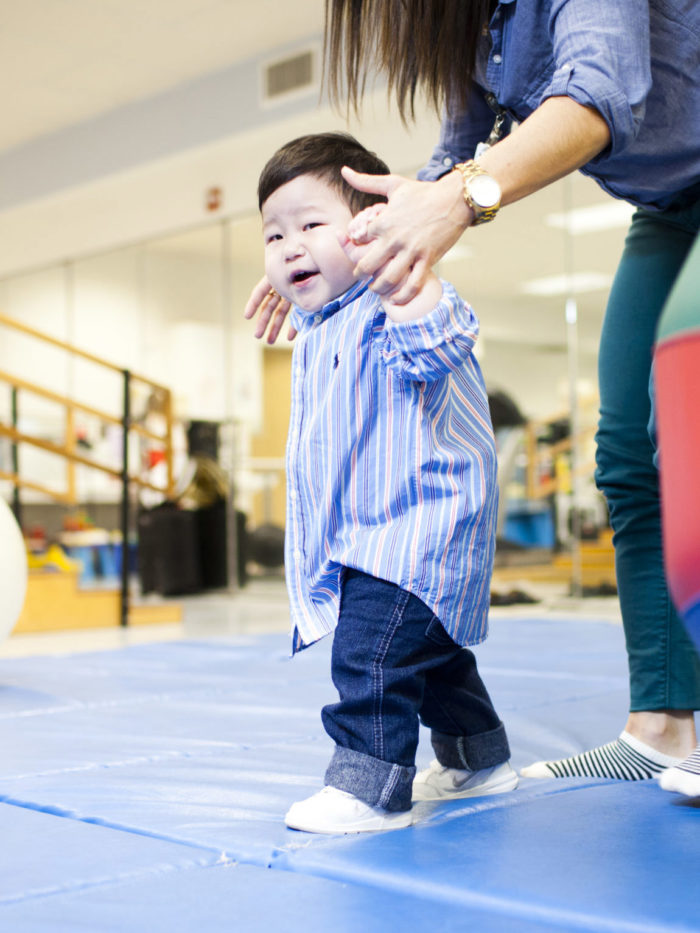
pixel 434 345
pixel 602 59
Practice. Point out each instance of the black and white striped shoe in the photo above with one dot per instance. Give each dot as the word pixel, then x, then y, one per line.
pixel 625 759
pixel 683 778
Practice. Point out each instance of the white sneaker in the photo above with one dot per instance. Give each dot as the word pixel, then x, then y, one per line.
pixel 438 783
pixel 335 811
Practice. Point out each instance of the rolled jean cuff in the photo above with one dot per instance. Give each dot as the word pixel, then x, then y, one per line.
pixel 375 782
pixel 471 752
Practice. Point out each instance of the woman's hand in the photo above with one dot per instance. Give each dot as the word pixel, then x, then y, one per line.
pixel 271 309
pixel 407 236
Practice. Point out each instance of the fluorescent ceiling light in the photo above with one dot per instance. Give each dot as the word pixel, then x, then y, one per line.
pixel 606 216
pixel 567 284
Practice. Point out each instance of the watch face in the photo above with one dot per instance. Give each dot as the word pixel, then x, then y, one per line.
pixel 485 191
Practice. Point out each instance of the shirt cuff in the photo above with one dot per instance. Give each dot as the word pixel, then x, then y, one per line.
pixel 590 88
pixel 433 345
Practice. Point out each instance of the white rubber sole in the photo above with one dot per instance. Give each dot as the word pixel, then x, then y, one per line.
pixel 503 780
pixel 334 812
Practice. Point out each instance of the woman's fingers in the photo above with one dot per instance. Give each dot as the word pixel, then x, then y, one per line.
pixel 271 310
pixel 273 313
pixel 279 316
pixel 371 184
pixel 257 296
pixel 412 284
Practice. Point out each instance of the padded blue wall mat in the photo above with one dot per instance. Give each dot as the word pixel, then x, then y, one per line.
pixel 145 788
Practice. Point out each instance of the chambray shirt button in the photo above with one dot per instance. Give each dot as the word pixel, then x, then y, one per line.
pixel 297 553
pixel 497 59
pixel 318 318
pixel 447 161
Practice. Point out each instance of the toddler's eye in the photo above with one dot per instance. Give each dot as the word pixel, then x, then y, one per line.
pixel 312 224
pixel 273 236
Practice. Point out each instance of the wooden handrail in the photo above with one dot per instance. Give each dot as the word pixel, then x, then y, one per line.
pixel 16 480
pixel 68 450
pixel 77 406
pixel 73 350
pixel 68 454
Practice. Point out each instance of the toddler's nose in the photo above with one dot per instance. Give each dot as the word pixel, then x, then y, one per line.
pixel 293 248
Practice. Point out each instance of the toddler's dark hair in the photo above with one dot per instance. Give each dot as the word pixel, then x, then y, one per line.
pixel 322 155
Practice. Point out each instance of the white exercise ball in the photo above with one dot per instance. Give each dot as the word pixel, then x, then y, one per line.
pixel 13 570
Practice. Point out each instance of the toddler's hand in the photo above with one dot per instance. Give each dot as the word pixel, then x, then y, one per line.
pixel 358 228
pixel 357 240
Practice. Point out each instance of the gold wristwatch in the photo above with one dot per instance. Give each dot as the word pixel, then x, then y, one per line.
pixel 481 191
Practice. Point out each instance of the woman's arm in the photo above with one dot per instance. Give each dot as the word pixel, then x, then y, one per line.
pixel 424 219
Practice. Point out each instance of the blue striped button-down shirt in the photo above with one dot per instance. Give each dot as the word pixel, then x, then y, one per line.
pixel 391 462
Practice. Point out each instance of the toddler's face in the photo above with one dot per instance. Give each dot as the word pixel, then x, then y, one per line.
pixel 304 260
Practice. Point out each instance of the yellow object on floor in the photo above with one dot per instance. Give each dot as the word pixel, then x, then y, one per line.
pixel 54 558
pixel 55 602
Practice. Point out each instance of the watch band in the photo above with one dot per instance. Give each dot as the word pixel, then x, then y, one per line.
pixel 468 171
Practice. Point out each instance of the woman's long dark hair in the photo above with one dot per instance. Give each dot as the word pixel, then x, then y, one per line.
pixel 415 43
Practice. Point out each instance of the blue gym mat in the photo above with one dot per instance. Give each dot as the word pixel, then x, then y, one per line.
pixel 145 788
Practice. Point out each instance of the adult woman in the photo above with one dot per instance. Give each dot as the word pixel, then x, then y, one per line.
pixel 613 90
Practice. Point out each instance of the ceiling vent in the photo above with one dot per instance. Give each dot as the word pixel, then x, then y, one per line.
pixel 290 77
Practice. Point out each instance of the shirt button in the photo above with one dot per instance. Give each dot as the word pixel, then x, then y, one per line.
pixel 447 161
pixel 297 553
pixel 318 318
pixel 497 59
pixel 293 494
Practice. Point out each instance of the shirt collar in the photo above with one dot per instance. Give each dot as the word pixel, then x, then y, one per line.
pixel 300 319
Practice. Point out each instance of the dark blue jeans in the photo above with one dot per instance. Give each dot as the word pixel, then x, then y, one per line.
pixel 393 664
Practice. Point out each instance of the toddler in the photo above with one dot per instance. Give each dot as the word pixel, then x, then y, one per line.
pixel 391 505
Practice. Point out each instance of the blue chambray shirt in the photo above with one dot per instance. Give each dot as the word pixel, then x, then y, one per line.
pixel 391 462
pixel 636 61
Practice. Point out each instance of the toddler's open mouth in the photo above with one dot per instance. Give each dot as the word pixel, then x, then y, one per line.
pixel 302 276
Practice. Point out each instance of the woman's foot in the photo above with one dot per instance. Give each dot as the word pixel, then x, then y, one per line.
pixel 625 759
pixel 335 811
pixel 653 740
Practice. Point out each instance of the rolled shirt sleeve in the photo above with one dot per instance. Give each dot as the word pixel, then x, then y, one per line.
pixel 602 60
pixel 430 347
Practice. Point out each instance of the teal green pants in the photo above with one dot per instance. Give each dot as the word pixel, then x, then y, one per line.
pixel 663 666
